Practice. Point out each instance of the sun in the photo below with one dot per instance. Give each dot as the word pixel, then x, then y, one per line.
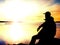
pixel 19 9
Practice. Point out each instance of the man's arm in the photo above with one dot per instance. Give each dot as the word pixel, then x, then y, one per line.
pixel 40 27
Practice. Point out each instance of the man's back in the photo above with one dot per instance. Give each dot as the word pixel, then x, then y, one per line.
pixel 48 30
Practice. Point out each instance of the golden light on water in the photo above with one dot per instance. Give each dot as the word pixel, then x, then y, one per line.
pixel 16 32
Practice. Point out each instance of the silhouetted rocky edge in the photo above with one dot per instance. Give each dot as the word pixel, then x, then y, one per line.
pixel 55 41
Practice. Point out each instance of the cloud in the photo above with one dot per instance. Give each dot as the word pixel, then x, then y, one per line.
pixel 57 1
pixel 49 2
pixel 2 0
pixel 42 2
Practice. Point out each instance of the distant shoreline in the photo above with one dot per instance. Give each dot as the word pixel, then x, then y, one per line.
pixel 57 21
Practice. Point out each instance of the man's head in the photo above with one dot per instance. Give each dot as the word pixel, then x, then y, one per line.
pixel 47 15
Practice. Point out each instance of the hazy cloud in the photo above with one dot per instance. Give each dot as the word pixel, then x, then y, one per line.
pixel 57 1
pixel 49 2
pixel 2 0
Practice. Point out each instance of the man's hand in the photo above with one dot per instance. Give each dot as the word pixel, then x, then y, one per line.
pixel 37 30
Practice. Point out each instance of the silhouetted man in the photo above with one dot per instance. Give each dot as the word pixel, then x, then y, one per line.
pixel 47 32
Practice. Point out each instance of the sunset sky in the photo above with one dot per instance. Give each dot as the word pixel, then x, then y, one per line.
pixel 25 17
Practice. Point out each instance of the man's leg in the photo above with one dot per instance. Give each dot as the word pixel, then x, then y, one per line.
pixel 33 40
